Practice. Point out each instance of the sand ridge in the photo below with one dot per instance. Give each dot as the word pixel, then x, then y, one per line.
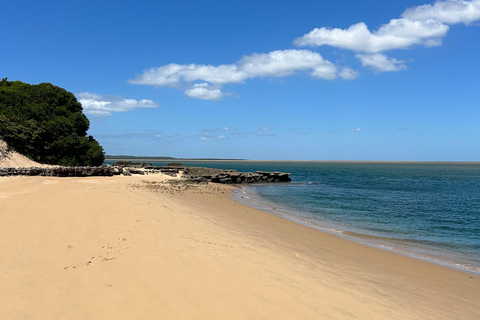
pixel 141 247
pixel 11 158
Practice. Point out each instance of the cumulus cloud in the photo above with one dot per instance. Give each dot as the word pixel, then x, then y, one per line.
pixel 380 62
pixel 282 63
pixel 211 78
pixel 172 75
pixel 397 34
pixel 423 25
pixel 204 91
pixel 98 105
pixel 449 12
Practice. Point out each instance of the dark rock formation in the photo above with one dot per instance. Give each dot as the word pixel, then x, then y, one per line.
pixel 275 176
pixel 175 164
pixel 133 170
pixel 198 174
pixel 60 171
pixel 233 176
pixel 129 164
pixel 171 171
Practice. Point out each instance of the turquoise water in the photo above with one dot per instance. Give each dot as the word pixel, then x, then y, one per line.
pixel 429 210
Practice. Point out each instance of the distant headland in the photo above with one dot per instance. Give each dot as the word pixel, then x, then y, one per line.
pixel 124 157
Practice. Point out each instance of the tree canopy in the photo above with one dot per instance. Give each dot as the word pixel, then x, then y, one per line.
pixel 46 123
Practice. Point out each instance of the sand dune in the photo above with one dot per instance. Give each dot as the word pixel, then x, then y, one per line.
pixel 140 248
pixel 10 158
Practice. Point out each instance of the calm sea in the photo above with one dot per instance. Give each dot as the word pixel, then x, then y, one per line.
pixel 428 210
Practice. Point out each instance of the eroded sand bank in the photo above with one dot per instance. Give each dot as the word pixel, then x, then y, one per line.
pixel 136 248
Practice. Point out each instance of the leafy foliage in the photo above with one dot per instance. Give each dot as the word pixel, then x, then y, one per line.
pixel 46 123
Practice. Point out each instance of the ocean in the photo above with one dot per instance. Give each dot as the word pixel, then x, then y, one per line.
pixel 427 210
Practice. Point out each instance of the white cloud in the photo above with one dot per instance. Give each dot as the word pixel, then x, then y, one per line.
pixel 275 64
pixel 397 34
pixel 348 74
pixel 282 63
pixel 449 12
pixel 356 130
pixel 424 25
pixel 380 62
pixel 210 137
pixel 204 91
pixel 99 105
pixel 172 75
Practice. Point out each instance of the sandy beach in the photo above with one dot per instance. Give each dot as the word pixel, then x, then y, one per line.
pixel 141 248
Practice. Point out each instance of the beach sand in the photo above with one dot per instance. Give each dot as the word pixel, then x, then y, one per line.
pixel 11 158
pixel 139 248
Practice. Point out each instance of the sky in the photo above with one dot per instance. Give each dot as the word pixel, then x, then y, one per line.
pixel 260 80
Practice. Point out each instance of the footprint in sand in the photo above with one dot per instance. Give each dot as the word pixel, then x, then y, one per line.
pixel 108 255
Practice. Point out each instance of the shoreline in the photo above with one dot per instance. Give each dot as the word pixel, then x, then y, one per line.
pixel 429 255
pixel 137 247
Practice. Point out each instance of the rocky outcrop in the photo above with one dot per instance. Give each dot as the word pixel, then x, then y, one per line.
pixel 171 171
pixel 129 171
pixel 233 176
pixel 198 174
pixel 129 164
pixel 60 171
pixel 275 176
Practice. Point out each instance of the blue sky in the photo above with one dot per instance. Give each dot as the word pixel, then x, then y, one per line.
pixel 260 80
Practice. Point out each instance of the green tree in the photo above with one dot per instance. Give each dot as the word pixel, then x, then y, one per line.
pixel 46 123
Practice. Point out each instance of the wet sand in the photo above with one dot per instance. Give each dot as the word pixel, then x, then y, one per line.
pixel 140 248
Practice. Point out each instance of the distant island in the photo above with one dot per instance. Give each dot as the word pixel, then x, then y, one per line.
pixel 124 157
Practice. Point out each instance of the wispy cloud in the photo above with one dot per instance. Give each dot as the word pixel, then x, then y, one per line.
pixel 217 133
pixel 98 105
pixel 230 132
pixel 151 136
pixel 356 130
pixel 348 73
pixel 264 132
pixel 380 62
pixel 295 131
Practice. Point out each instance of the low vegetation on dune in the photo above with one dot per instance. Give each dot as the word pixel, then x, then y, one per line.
pixel 46 123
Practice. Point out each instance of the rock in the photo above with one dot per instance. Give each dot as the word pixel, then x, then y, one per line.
pixel 174 164
pixel 59 171
pixel 130 164
pixel 134 170
pixel 275 176
pixel 233 176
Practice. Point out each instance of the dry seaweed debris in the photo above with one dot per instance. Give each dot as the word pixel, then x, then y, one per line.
pixel 177 186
